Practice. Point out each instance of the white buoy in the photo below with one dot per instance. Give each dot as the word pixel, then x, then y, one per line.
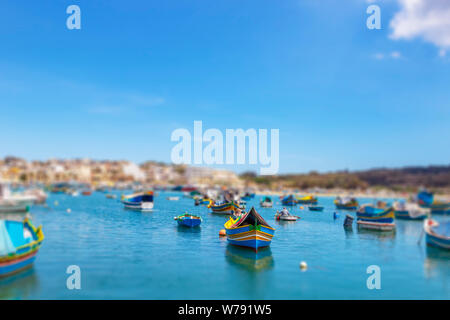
pixel 69 210
pixel 303 266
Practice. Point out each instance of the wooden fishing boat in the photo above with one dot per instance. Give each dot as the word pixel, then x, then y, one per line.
pixel 376 218
pixel 346 203
pixel 19 243
pixel 437 233
pixel 224 208
pixel 409 211
pixel 306 200
pixel 249 230
pixel 315 208
pixel 142 201
pixel 266 202
pixel 206 201
pixel 188 220
pixel 289 201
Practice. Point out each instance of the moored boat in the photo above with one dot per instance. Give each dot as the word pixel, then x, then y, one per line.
pixel 289 201
pixel 348 222
pixel 306 200
pixel 14 203
pixel 426 199
pixel 249 230
pixel 173 198
pixel 266 202
pixel 188 220
pixel 376 218
pixel 409 211
pixel 437 233
pixel 285 215
pixel 346 203
pixel 248 196
pixel 315 208
pixel 224 208
pixel 19 243
pixel 142 201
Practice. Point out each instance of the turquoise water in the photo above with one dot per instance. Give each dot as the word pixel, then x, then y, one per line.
pixel 131 255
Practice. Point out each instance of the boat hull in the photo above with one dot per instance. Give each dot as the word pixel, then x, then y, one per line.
pixel 266 204
pixel 435 239
pixel 376 225
pixel 140 206
pixel 227 208
pixel 345 207
pixel 404 215
pixel 17 265
pixel 316 208
pixel 190 223
pixel 247 236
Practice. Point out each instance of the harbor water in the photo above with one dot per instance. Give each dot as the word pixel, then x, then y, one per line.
pixel 125 254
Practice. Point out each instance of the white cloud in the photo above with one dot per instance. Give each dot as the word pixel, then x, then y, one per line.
pixel 393 55
pixel 426 19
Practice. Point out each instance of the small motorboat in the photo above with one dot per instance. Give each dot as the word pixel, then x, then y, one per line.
pixel 266 202
pixel 173 198
pixel 249 230
pixel 315 208
pixel 14 202
pixel 19 243
pixel 437 233
pixel 284 215
pixel 111 196
pixel 188 220
pixel 142 201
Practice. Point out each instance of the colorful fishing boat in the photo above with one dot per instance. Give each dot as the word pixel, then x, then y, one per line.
pixel 307 200
pixel 376 217
pixel 289 201
pixel 437 233
pixel 205 201
pixel 315 208
pixel 19 243
pixel 188 220
pixel 346 203
pixel 142 201
pixel 409 211
pixel 426 200
pixel 224 208
pixel 249 230
pixel 266 202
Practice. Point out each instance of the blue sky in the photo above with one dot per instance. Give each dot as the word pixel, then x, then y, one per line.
pixel 343 96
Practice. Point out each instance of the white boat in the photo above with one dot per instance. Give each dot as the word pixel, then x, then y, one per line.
pixel 285 217
pixel 14 203
pixel 173 198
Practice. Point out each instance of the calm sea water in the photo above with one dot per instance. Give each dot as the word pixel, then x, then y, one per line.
pixel 131 255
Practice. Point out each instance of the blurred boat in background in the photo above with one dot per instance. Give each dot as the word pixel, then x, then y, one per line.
pixel 289 201
pixel 409 211
pixel 142 201
pixel 378 217
pixel 346 203
pixel 224 208
pixel 426 199
pixel 315 208
pixel 14 202
pixel 266 202
pixel 306 200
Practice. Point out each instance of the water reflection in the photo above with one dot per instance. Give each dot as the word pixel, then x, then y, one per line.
pixel 376 234
pixel 437 263
pixel 19 286
pixel 249 259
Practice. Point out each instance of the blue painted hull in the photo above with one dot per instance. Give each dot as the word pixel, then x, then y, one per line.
pixel 246 236
pixel 191 223
pixel 16 266
pixel 437 242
